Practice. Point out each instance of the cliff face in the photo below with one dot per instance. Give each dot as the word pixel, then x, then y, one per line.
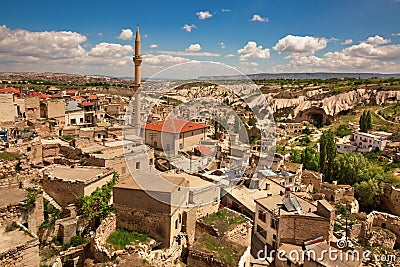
pixel 335 104
pixel 332 105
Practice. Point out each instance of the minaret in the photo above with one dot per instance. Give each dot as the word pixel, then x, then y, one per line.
pixel 137 59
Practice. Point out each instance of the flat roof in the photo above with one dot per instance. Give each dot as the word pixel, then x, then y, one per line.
pixel 11 196
pixel 12 239
pixel 150 182
pixel 247 196
pixel 273 202
pixel 77 173
pixel 193 181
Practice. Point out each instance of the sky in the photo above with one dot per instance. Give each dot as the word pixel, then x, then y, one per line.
pixel 252 36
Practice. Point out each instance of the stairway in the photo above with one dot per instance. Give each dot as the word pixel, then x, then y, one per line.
pixel 51 201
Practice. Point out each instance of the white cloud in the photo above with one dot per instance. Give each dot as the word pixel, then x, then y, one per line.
pixel 126 34
pixel 377 40
pixel 370 55
pixel 187 53
pixel 153 46
pixel 193 48
pixel 396 34
pixel 259 18
pixel 230 55
pixel 252 64
pixel 204 14
pixel 189 28
pixel 347 42
pixel 222 45
pixel 251 50
pixel 226 10
pixel 100 34
pixel 306 45
pixel 24 43
pixel 163 60
pixel 110 50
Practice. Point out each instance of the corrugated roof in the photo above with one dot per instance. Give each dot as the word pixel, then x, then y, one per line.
pixel 174 126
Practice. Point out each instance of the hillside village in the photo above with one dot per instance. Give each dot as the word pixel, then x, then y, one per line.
pixel 272 173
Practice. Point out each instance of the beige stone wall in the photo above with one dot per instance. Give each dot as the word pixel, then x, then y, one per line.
pixel 192 138
pixel 89 188
pixel 56 110
pixel 32 108
pixel 64 193
pixel 138 211
pixel 8 111
pixel 386 221
pixel 294 229
pixel 22 255
pixel 390 200
pixel 99 240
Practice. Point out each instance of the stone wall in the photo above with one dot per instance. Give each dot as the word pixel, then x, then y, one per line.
pixel 385 221
pixel 8 111
pixel 22 255
pixel 294 229
pixel 99 238
pixel 63 192
pixel 32 108
pixel 200 259
pixel 390 200
pixel 70 152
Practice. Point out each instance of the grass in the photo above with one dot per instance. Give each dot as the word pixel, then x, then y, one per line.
pixel 122 237
pixel 75 241
pixel 9 156
pixel 228 253
pixel 222 219
pixel 11 227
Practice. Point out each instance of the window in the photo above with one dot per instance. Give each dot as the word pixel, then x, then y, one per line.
pixel 176 224
pixel 81 120
pixel 73 121
pixel 123 170
pixel 261 232
pixel 261 215
pixel 138 165
pixel 273 223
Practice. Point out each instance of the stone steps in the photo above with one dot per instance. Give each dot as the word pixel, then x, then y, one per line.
pixel 51 201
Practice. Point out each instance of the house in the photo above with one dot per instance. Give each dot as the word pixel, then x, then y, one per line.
pixel 74 114
pixel 64 184
pixel 174 135
pixel 290 219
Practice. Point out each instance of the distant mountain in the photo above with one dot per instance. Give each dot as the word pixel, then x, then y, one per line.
pixel 316 75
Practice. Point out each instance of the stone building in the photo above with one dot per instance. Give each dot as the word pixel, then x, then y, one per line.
pixel 390 200
pixel 32 108
pixel 13 208
pixel 8 108
pixel 174 135
pixel 157 210
pixel 292 128
pixel 53 109
pixel 290 219
pixel 64 184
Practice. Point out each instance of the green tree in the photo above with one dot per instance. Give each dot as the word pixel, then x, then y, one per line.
pixel 368 194
pixel 310 159
pixel 352 168
pixel 306 131
pixel 369 120
pixel 295 156
pixel 327 155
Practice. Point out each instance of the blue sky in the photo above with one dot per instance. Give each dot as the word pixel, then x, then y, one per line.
pixel 253 35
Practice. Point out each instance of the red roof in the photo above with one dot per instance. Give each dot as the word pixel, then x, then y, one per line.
pixel 72 92
pixel 174 126
pixel 40 95
pixel 86 104
pixel 10 90
pixel 204 150
pixel 78 97
pixel 92 97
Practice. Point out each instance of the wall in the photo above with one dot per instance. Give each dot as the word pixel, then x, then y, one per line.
pixel 138 211
pixel 32 108
pixel 63 192
pixel 390 200
pixel 294 229
pixel 7 109
pixel 99 239
pixel 56 110
pixel 386 221
pixel 22 255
